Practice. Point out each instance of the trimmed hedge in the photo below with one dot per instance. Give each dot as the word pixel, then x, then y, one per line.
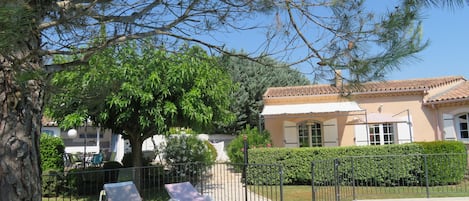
pixel 388 165
pixel 447 169
pixel 52 150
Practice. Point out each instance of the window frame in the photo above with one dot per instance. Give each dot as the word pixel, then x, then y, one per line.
pixel 382 133
pixel 458 125
pixel 309 128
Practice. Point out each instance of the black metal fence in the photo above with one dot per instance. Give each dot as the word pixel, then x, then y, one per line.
pixel 390 176
pixel 221 181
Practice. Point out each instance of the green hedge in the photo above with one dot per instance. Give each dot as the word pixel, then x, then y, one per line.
pixel 388 165
pixel 52 150
pixel 447 168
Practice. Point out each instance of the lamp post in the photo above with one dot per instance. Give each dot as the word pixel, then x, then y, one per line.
pixel 73 133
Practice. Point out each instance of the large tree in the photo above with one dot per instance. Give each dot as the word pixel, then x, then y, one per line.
pixel 332 34
pixel 252 79
pixel 139 91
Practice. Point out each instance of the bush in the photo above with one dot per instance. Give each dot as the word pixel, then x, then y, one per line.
pixel 212 149
pixel 446 161
pixel 255 140
pixel 186 154
pixel 111 173
pixel 388 165
pixel 127 160
pixel 89 181
pixel 52 181
pixel 52 150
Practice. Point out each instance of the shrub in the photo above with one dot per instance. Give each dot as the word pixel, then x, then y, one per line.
pixel 52 150
pixel 111 173
pixel 87 181
pixel 52 181
pixel 255 139
pixel 212 149
pixel 186 154
pixel 127 160
pixel 446 161
pixel 388 165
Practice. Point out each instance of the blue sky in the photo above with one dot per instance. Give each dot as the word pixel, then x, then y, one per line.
pixel 447 55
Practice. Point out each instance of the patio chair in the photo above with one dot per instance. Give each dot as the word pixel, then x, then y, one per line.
pixel 97 160
pixel 122 191
pixel 184 191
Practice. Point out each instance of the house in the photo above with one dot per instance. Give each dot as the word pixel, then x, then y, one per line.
pixel 375 113
pixel 89 139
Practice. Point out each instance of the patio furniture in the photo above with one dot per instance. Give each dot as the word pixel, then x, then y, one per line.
pixel 184 191
pixel 97 160
pixel 122 191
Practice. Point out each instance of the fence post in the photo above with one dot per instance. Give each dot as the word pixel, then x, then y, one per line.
pixel 245 149
pixel 201 171
pixel 336 175
pixel 353 180
pixel 281 183
pixel 426 175
pixel 313 194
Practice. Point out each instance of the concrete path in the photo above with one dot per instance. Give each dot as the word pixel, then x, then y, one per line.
pixel 225 185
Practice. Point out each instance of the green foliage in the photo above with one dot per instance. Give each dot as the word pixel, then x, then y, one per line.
pixel 16 21
pixel 384 165
pixel 178 130
pixel 212 150
pixel 446 161
pixel 187 156
pixel 127 160
pixel 255 139
pixel 139 90
pixel 87 181
pixel 252 80
pixel 181 149
pixel 52 150
pixel 111 173
pixel 52 183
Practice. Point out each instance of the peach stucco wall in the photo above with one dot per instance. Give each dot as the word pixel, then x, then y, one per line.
pixel 424 119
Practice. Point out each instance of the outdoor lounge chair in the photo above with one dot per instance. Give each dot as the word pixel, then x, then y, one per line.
pixel 122 191
pixel 184 191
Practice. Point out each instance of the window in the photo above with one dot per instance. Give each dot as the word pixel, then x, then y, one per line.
pixel 310 134
pixel 381 134
pixel 462 123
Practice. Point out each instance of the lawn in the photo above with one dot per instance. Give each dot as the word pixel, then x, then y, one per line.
pixel 302 193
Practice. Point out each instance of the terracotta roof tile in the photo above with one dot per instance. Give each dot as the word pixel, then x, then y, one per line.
pixel 459 92
pixel 370 87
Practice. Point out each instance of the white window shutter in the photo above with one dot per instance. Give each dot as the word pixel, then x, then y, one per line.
pixel 331 135
pixel 290 134
pixel 404 133
pixel 448 127
pixel 361 135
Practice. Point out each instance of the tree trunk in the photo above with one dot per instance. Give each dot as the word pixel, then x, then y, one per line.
pixel 136 145
pixel 21 97
pixel 20 127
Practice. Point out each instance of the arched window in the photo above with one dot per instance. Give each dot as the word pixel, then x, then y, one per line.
pixel 310 134
pixel 462 122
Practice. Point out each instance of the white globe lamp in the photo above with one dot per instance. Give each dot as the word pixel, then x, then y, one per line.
pixel 72 133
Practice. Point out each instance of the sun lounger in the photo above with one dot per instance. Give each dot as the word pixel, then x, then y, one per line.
pixel 122 191
pixel 184 191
